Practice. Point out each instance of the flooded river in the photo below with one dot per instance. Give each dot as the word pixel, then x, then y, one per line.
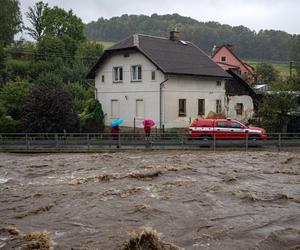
pixel 195 200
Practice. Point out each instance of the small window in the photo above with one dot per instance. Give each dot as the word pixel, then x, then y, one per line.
pixel 152 75
pixel 201 107
pixel 115 109
pixel 126 55
pixel 223 59
pixel 239 107
pixel 218 106
pixel 102 78
pixel 136 73
pixel 219 83
pixel 140 108
pixel 118 74
pixel 222 124
pixel 182 108
pixel 235 125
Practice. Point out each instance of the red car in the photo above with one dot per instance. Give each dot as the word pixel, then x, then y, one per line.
pixel 224 129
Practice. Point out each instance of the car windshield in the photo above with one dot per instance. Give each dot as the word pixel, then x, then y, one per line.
pixel 235 125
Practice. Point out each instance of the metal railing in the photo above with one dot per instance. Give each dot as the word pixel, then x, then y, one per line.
pixel 167 140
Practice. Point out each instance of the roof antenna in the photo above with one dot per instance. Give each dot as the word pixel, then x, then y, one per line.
pixel 214 49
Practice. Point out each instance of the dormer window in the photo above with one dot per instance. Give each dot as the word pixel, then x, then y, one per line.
pixel 117 74
pixel 136 73
pixel 223 59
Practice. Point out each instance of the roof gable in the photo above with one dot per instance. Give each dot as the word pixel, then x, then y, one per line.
pixel 171 57
pixel 227 49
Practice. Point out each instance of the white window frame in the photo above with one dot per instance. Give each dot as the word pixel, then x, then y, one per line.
pixel 119 77
pixel 153 73
pixel 180 112
pixel 136 73
pixel 203 107
pixel 222 60
pixel 239 108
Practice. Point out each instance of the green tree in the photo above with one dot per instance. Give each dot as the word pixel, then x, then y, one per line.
pixel 34 16
pixel 13 95
pixel 266 73
pixel 10 20
pixel 48 109
pixel 92 118
pixel 50 48
pixel 58 22
pixel 2 64
pixel 80 95
pixel 275 110
pixel 88 53
pixel 7 124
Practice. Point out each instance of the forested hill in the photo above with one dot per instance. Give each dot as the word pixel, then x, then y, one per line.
pixel 248 44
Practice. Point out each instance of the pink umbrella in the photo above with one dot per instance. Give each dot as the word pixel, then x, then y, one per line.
pixel 150 123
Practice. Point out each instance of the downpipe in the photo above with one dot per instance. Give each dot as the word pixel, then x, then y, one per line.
pixel 161 85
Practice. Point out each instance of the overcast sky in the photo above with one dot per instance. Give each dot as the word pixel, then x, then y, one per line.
pixel 254 14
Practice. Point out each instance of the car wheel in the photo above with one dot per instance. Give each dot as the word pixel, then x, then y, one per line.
pixel 206 137
pixel 254 138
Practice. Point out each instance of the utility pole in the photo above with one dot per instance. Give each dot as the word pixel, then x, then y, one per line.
pixel 291 68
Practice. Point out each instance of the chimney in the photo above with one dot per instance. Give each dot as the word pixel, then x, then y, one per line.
pixel 136 40
pixel 174 35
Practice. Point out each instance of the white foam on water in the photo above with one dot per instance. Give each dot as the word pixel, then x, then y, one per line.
pixel 4 180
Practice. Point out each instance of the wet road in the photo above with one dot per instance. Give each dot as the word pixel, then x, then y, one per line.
pixel 196 200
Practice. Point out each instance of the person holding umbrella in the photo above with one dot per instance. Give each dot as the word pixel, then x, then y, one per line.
pixel 115 129
pixel 147 127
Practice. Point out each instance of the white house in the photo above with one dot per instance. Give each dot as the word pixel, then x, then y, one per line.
pixel 167 80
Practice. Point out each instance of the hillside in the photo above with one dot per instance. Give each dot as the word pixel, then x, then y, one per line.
pixel 263 45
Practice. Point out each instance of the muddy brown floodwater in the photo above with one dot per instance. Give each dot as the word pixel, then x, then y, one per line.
pixel 195 200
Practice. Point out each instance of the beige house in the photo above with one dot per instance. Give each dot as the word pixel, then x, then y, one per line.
pixel 167 80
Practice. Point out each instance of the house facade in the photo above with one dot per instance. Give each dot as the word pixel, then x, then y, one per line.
pixel 167 80
pixel 227 60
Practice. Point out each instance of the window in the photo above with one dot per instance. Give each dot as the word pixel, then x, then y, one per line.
pixel 235 125
pixel 219 83
pixel 182 107
pixel 223 59
pixel 239 108
pixel 152 75
pixel 218 106
pixel 117 74
pixel 140 108
pixel 221 124
pixel 115 108
pixel 136 73
pixel 201 106
pixel 102 78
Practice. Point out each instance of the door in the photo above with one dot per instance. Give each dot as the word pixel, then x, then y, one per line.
pixel 115 109
pixel 221 130
pixel 237 131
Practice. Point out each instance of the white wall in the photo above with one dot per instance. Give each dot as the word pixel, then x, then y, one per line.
pixel 128 92
pixel 191 89
pixel 248 107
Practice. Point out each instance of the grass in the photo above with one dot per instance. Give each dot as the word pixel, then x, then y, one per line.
pixel 282 67
pixel 106 44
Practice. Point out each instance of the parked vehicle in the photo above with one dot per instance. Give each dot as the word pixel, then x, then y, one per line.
pixel 224 129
